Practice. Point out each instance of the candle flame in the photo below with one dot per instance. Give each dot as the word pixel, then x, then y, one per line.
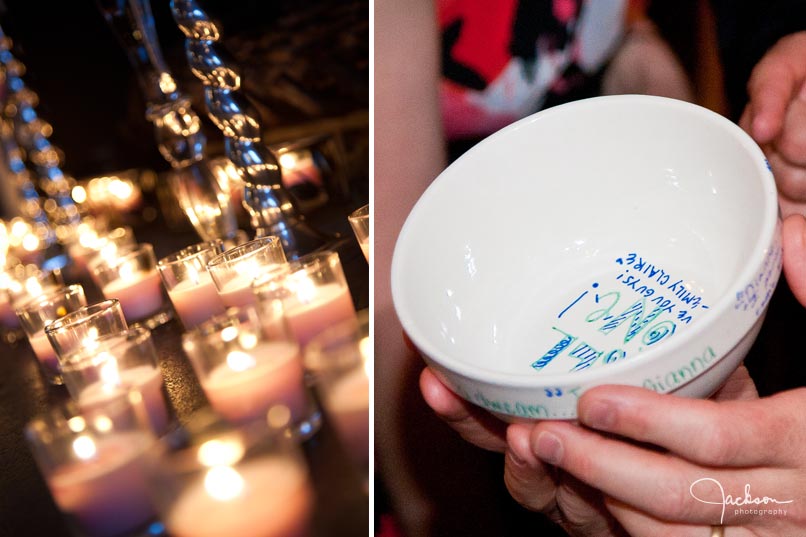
pixel 103 424
pixel 127 271
pixel 229 333
pixel 249 268
pixel 84 447
pixel 108 250
pixel 240 361
pixel 33 287
pixel 90 341
pixel 219 452
pixel 88 238
pixel 109 372
pixel 223 483
pixel 248 340
pixel 305 289
pixel 288 160
pixel 76 424
pixel 192 273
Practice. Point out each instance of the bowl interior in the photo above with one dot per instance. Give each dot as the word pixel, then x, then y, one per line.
pixel 587 234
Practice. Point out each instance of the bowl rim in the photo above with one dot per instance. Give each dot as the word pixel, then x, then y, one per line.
pixel 763 246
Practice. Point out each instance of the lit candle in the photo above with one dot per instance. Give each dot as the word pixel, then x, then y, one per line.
pixel 347 402
pixel 299 167
pixel 315 307
pixel 196 299
pixel 44 351
pixel 234 270
pixel 113 382
pixel 266 497
pixel 105 491
pixel 139 292
pixel 247 384
pixel 237 292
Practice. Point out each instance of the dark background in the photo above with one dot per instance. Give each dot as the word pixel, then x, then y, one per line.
pixel 302 63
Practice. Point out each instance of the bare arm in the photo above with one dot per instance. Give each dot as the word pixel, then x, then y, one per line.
pixel 409 153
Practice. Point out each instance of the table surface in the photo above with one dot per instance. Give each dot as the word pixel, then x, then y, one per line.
pixel 26 508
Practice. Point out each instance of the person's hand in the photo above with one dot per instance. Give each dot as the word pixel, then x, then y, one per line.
pixel 538 487
pixel 588 489
pixel 775 117
pixel 685 459
pixel 729 442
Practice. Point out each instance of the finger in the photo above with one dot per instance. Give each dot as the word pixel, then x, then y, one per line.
pixel 790 178
pixel 789 207
pixel 730 433
pixel 770 92
pixel 640 524
pixel 773 83
pixel 746 121
pixel 792 141
pixel 616 468
pixel 659 484
pixel 738 387
pixel 536 486
pixel 471 422
pixel 530 482
pixel 794 253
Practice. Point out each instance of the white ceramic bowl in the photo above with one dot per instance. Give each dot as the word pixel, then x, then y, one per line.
pixel 615 240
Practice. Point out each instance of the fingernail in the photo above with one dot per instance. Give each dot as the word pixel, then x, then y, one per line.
pixel 549 448
pixel 600 415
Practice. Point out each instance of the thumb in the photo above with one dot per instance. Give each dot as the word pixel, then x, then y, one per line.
pixel 794 255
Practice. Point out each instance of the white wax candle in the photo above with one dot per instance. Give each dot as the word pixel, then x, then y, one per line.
pixel 276 376
pixel 238 292
pixel 44 351
pixel 107 495
pixel 146 379
pixel 330 304
pixel 196 301
pixel 272 498
pixel 140 295
pixel 347 403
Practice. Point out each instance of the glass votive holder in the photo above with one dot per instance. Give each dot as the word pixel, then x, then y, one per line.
pixel 190 287
pixel 245 482
pixel 116 364
pixel 91 243
pixel 96 465
pixel 340 363
pixel 81 328
pixel 314 293
pixel 26 282
pixel 38 313
pixel 234 270
pixel 251 374
pixel 359 221
pixel 18 284
pixel 131 276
